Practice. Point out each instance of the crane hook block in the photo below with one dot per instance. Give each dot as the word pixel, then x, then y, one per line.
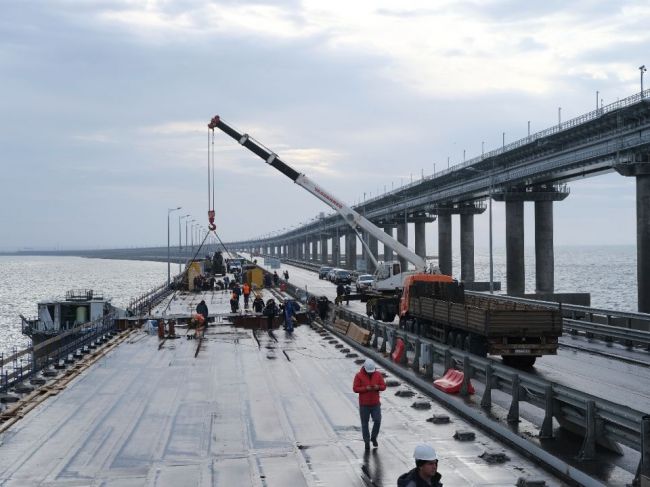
pixel 211 226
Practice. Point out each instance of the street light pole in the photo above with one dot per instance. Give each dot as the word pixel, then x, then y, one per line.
pixel 180 242
pixel 642 69
pixel 169 212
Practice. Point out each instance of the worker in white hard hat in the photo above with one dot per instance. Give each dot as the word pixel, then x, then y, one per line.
pixel 425 472
pixel 368 383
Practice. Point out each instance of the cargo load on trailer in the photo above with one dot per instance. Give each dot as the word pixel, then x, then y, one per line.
pixel 436 306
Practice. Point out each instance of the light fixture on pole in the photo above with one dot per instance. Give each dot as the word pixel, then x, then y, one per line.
pixel 169 212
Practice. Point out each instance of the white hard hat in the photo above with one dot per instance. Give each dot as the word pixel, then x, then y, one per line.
pixel 425 452
pixel 369 365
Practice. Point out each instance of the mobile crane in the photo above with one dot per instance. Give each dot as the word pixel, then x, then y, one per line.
pixel 389 276
pixel 428 302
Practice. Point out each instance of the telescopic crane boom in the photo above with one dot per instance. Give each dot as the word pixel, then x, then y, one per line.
pixel 354 219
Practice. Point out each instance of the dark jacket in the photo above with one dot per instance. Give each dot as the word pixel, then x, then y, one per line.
pixel 271 309
pixel 412 479
pixel 202 309
pixel 362 380
pixel 258 305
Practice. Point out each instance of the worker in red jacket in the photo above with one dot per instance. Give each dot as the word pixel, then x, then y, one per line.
pixel 368 383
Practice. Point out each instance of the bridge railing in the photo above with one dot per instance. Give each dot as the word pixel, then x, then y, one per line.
pixel 601 421
pixel 24 364
pixel 144 303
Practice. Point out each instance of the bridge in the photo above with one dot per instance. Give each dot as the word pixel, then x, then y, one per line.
pixel 534 169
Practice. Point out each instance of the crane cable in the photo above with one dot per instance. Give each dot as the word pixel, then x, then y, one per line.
pixel 211 214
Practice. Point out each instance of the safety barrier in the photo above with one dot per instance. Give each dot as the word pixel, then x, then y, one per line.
pixel 24 364
pixel 601 421
pixel 144 303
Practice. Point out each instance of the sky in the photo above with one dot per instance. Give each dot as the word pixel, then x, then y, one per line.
pixel 105 106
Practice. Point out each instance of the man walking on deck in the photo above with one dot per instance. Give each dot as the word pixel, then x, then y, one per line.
pixel 368 383
pixel 246 289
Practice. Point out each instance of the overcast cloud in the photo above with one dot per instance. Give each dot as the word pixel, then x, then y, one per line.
pixel 105 106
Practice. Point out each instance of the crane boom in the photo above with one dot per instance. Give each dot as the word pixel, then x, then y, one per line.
pixel 351 217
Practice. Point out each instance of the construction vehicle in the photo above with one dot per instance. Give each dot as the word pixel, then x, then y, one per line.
pixel 436 306
pixel 389 276
pixel 424 299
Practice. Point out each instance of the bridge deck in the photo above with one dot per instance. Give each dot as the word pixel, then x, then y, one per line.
pixel 281 413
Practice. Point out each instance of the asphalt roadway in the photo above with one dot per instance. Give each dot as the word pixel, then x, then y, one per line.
pixel 278 410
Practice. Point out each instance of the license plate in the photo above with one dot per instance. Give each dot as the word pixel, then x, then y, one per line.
pixel 519 351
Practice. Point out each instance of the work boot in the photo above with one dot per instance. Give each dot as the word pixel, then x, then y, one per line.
pixel 374 443
pixel 367 446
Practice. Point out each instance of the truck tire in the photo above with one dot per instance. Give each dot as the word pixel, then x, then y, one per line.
pixel 519 362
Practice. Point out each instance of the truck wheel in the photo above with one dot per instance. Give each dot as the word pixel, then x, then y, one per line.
pixel 519 362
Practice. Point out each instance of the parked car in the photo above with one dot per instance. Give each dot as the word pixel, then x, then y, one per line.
pixel 364 282
pixel 341 276
pixel 331 274
pixel 322 272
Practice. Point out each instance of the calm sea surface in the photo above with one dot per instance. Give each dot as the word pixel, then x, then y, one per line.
pixel 26 280
pixel 607 272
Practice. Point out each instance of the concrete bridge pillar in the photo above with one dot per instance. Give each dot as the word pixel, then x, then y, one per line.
pixel 420 239
pixel 467 247
pixel 643 241
pixel 336 249
pixel 544 254
pixel 388 253
pixel 372 244
pixel 444 242
pixel 515 272
pixel 351 250
pixel 323 250
pixel 403 238
pixel 640 169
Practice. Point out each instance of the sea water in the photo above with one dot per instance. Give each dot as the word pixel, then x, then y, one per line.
pixel 607 272
pixel 26 280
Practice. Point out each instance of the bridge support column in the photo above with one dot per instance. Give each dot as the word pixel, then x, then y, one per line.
pixel 467 247
pixel 388 253
pixel 420 239
pixel 323 250
pixel 643 241
pixel 444 242
pixel 544 254
pixel 640 169
pixel 372 243
pixel 336 249
pixel 351 250
pixel 403 238
pixel 515 272
pixel 307 254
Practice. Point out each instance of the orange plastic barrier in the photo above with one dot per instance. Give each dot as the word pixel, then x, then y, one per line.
pixel 399 351
pixel 452 381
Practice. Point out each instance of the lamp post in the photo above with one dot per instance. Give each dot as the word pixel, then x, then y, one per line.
pixel 169 212
pixel 642 69
pixel 490 223
pixel 180 243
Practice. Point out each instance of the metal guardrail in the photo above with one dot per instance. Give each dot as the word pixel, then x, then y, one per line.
pixel 24 364
pixel 635 331
pixel 601 421
pixel 144 303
